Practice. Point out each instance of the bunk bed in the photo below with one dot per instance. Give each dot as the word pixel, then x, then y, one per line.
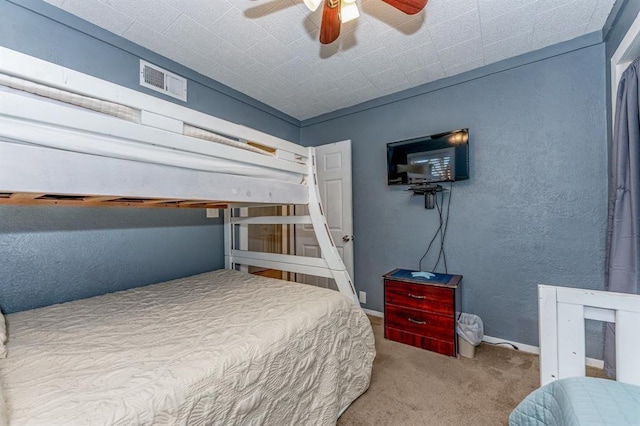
pixel 222 347
pixel 567 397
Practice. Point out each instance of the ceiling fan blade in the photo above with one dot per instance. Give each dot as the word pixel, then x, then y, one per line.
pixel 410 7
pixel 330 27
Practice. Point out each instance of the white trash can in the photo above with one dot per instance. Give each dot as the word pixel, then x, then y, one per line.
pixel 470 333
pixel 466 349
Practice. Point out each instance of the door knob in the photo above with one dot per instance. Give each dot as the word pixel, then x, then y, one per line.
pixel 347 238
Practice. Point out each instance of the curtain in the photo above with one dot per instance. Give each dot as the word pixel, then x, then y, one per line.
pixel 622 264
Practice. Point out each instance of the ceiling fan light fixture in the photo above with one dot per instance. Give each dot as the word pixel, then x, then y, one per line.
pixel 312 5
pixel 337 12
pixel 349 11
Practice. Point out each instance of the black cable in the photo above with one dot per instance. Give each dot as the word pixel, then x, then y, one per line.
pixel 440 209
pixel 444 236
pixel 430 244
pixel 428 248
pixel 446 226
pixel 503 343
pixel 441 231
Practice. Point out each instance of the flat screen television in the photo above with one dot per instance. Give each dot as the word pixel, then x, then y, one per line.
pixel 443 157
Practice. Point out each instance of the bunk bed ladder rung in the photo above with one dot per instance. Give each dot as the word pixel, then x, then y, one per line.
pixel 272 220
pixel 279 258
pixel 296 264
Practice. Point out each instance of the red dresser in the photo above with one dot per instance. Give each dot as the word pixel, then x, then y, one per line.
pixel 422 312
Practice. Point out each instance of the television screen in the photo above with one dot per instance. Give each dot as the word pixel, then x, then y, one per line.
pixel 443 157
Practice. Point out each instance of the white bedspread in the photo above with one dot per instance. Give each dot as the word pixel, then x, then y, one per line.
pixel 217 348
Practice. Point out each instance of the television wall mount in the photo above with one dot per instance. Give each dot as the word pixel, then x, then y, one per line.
pixel 429 191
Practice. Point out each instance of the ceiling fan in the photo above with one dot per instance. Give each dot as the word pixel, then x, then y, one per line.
pixel 336 12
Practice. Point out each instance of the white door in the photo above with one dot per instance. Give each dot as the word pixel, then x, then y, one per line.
pixel 334 182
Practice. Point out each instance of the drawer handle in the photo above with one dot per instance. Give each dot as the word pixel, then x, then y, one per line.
pixel 416 321
pixel 413 296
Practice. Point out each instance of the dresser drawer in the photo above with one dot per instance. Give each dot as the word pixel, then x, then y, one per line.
pixel 439 346
pixel 423 297
pixel 419 322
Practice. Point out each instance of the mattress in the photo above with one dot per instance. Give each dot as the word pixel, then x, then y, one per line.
pixel 45 122
pixel 583 401
pixel 218 348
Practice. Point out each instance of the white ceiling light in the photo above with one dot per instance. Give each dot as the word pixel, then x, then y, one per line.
pixel 349 11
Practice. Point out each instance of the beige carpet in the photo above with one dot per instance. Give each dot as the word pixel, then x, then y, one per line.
pixel 411 386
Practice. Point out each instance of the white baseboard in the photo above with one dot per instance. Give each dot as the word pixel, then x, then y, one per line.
pixel 521 346
pixel 595 363
pixel 373 313
pixel 591 362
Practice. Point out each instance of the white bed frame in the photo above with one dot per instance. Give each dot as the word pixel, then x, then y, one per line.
pixel 55 153
pixel 562 315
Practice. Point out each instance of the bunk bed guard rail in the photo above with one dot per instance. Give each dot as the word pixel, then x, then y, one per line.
pixel 562 315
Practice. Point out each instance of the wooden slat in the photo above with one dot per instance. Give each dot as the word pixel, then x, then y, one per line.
pixel 100 199
pixel 194 202
pixel 250 205
pixel 262 147
pixel 24 196
pixel 170 200
pixel 273 220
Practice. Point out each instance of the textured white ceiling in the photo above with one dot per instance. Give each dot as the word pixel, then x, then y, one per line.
pixel 269 49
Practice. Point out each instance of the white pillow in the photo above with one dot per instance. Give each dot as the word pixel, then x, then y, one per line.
pixel 3 337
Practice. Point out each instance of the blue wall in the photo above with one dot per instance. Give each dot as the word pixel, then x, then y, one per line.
pixel 533 211
pixel 534 208
pixel 56 254
pixel 51 255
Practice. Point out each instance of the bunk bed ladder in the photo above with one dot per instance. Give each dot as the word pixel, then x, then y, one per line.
pixel 325 241
pixel 330 265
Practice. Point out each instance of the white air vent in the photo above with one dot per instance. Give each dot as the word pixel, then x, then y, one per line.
pixel 163 81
